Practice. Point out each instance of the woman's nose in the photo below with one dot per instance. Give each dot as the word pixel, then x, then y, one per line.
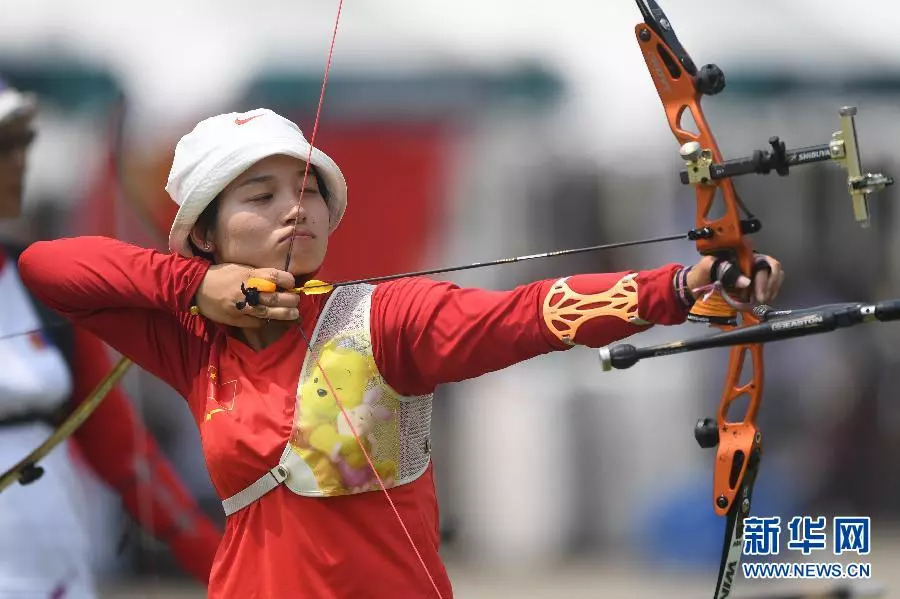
pixel 294 209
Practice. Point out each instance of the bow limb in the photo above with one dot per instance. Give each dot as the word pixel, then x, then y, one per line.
pixel 27 470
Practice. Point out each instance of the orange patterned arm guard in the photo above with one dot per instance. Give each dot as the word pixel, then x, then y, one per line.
pixel 565 310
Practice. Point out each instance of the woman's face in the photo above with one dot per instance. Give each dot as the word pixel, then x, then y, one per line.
pixel 15 137
pixel 261 210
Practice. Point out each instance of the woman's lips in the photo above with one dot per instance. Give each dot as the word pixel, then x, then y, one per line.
pixel 301 235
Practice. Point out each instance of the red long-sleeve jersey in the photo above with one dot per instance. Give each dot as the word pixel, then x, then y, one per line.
pixel 423 332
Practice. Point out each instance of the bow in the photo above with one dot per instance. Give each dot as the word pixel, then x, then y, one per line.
pixel 681 85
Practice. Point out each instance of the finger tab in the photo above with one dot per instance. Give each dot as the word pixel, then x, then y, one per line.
pixel 262 285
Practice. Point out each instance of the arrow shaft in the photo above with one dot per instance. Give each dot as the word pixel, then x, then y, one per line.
pixel 553 254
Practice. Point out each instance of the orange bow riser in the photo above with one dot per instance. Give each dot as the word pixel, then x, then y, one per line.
pixel 681 86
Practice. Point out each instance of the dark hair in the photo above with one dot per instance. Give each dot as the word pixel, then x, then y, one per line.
pixel 207 218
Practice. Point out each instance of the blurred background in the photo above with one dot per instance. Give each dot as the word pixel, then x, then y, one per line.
pixel 476 130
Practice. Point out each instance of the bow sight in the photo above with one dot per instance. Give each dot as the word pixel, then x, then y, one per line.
pixel 843 149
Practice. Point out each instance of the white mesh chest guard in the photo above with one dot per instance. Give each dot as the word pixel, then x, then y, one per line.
pixel 323 457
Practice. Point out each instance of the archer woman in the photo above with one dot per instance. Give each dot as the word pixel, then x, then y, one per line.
pixel 314 408
pixel 44 551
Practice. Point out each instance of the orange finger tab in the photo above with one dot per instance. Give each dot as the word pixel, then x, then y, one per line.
pixel 261 285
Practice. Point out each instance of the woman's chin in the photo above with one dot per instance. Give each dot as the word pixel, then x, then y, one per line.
pixel 302 264
pixel 304 271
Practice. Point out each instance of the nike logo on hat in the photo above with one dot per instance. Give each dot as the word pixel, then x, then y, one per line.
pixel 240 121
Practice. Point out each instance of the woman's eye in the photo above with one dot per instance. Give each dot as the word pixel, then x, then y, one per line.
pixel 261 198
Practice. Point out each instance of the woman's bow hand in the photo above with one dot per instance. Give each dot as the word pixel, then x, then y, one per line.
pixel 766 278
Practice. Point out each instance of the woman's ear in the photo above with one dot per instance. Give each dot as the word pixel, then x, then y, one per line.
pixel 199 237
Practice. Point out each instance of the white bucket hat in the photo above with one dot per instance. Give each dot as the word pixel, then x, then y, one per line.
pixel 222 147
